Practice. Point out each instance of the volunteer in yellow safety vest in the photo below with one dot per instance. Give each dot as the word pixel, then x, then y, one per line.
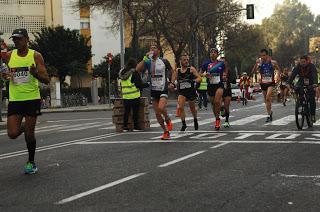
pixel 202 91
pixel 131 86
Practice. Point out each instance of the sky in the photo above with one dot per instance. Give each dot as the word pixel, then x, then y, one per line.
pixel 104 41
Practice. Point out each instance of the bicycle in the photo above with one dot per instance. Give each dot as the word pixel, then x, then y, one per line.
pixel 302 108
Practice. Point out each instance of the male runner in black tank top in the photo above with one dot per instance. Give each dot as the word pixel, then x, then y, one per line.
pixel 186 76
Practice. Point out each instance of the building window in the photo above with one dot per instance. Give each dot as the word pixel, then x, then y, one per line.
pixel 32 23
pixel 84 25
pixel 22 2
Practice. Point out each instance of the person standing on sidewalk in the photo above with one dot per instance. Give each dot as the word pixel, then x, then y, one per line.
pixel 186 76
pixel 159 72
pixel 202 91
pixel 26 70
pixel 131 86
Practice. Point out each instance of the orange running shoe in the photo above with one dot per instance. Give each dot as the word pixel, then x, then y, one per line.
pixel 169 125
pixel 217 124
pixel 165 136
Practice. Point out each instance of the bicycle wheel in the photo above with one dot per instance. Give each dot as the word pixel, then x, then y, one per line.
pixel 299 114
pixel 308 115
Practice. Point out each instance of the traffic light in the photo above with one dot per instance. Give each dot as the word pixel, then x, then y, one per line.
pixel 109 58
pixel 317 49
pixel 250 11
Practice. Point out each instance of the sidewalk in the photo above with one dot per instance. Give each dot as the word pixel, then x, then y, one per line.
pixel 88 108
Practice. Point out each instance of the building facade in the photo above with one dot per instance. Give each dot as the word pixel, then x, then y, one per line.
pixel 30 14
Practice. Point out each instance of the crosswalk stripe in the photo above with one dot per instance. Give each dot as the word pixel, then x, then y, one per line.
pixel 283 121
pixel 86 127
pixel 173 121
pixel 67 127
pixel 247 120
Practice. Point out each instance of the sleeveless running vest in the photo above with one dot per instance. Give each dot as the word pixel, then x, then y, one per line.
pixel 185 80
pixel 23 86
pixel 267 73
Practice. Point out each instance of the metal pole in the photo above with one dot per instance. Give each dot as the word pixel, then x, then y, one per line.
pixel 109 92
pixel 1 102
pixel 121 34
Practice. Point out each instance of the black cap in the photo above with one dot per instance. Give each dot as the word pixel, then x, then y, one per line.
pixel 19 33
pixel 214 50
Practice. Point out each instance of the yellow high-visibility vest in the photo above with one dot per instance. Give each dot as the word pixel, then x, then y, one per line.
pixel 203 84
pixel 129 90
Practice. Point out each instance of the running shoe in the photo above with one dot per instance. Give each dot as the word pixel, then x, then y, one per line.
pixel 313 118
pixel 196 125
pixel 30 168
pixel 226 124
pixel 169 125
pixel 165 136
pixel 269 118
pixel 183 128
pixel 217 124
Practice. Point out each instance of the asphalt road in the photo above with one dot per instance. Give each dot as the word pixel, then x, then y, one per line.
pixel 85 166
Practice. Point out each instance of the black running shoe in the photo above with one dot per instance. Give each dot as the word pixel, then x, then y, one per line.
pixel 196 125
pixel 183 128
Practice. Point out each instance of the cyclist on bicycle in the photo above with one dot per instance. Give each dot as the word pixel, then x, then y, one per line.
pixel 307 74
pixel 244 85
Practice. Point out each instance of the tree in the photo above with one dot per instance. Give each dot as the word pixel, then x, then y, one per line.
pixel 242 46
pixel 288 30
pixel 65 51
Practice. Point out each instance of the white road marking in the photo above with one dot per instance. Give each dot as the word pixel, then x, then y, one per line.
pixel 283 121
pixel 200 141
pixel 113 127
pixel 71 120
pixel 297 176
pixel 86 127
pixel 100 188
pixel 217 146
pixel 283 136
pixel 67 127
pixel 247 120
pixel 181 159
pixel 173 121
pixel 58 145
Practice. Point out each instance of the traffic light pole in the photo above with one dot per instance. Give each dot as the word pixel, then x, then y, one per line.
pixel 1 102
pixel 109 92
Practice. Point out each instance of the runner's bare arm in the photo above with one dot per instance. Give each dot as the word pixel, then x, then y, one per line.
pixel 196 74
pixel 39 71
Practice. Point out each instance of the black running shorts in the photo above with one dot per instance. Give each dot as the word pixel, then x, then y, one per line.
pixel 25 108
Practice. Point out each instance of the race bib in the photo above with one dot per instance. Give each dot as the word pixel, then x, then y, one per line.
pixel 214 79
pixel 266 79
pixel 184 85
pixel 20 75
pixel 157 83
pixel 306 81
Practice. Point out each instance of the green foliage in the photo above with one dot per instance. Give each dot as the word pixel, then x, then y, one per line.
pixel 65 51
pixel 288 30
pixel 242 46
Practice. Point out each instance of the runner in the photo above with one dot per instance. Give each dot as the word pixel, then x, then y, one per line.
pixel 227 95
pixel 26 69
pixel 284 91
pixel 158 71
pixel 244 84
pixel 266 66
pixel 186 76
pixel 215 70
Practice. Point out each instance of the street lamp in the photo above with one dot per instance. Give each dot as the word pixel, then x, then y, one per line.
pixel 121 34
